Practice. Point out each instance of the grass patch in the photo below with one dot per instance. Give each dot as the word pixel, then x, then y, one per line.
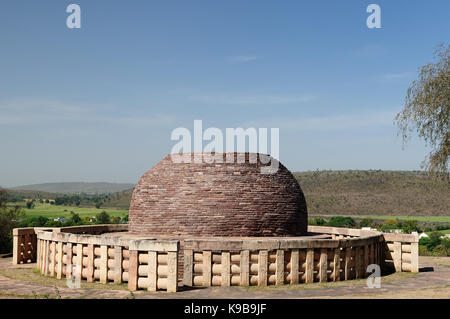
pixel 54 211
pixel 436 219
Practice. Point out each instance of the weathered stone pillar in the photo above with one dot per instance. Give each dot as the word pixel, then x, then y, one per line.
pixel 262 268
pixel 244 266
pixel 294 266
pixel 188 266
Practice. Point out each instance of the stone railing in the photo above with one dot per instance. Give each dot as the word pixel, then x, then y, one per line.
pixel 144 263
pixel 25 245
pixel 330 254
pixel 25 239
pixel 402 252
pixel 261 261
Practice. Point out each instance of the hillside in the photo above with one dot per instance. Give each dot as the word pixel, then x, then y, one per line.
pixel 75 187
pixel 120 200
pixel 380 193
pixel 375 192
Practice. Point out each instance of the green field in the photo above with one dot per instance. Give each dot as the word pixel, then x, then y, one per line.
pixel 53 211
pixel 435 219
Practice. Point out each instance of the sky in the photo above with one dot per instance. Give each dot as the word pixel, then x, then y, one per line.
pixel 99 103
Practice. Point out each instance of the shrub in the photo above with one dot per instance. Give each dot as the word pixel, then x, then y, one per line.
pixel 315 221
pixel 366 222
pixel 75 218
pixel 115 220
pixel 390 224
pixel 103 218
pixel 53 223
pixel 341 221
pixel 409 226
pixel 8 220
pixel 30 204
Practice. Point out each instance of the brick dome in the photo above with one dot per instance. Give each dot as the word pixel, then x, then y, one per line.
pixel 217 199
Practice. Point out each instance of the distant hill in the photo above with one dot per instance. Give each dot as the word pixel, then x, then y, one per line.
pixel 75 188
pixel 352 192
pixel 120 200
pixel 374 192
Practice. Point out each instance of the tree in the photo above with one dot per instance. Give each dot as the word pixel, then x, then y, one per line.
pixel 75 218
pixel 427 111
pixel 366 222
pixel 103 218
pixel 341 221
pixel 9 219
pixel 316 221
pixel 408 226
pixel 30 204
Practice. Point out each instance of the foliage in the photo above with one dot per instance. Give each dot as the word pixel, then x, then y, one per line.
pixel 390 224
pixel 434 245
pixel 427 111
pixel 8 220
pixel 366 222
pixel 409 226
pixel 341 221
pixel 30 204
pixel 317 222
pixel 75 218
pixel 103 218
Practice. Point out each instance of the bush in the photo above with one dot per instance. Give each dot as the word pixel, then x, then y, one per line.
pixel 441 250
pixel 39 221
pixel 341 221
pixel 53 223
pixel 366 222
pixel 30 204
pixel 8 220
pixel 103 218
pixel 315 221
pixel 115 220
pixel 410 226
pixel 75 218
pixel 390 224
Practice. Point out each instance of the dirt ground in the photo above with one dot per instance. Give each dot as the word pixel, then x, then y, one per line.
pixel 433 281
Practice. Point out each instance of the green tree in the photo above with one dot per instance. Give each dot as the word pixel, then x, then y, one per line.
pixel 366 222
pixel 103 218
pixel 30 204
pixel 427 111
pixel 409 226
pixel 341 221
pixel 75 218
pixel 115 220
pixel 318 222
pixel 390 224
pixel 9 219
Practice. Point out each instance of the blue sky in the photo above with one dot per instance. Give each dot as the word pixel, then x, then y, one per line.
pixel 99 103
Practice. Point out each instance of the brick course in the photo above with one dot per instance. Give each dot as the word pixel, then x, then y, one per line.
pixel 217 199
